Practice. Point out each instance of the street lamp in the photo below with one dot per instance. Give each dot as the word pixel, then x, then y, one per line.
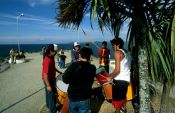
pixel 18 28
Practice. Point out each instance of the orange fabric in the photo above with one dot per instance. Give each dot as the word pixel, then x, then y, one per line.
pixel 61 96
pixel 65 108
pixel 108 91
pixel 129 94
pixel 104 56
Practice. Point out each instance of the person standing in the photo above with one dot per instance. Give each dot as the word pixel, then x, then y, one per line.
pixel 91 52
pixel 75 52
pixel 104 53
pixel 120 75
pixel 43 52
pixel 62 58
pixel 59 53
pixel 80 77
pixel 12 55
pixel 49 78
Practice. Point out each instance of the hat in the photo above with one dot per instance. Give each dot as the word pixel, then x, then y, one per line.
pixel 55 47
pixel 76 44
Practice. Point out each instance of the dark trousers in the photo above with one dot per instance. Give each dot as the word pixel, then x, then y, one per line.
pixel 51 98
pixel 46 93
pixel 62 64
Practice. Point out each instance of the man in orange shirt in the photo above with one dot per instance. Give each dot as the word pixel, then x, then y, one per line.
pixel 104 53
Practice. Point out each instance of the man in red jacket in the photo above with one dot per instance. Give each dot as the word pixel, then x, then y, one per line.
pixel 49 78
pixel 104 53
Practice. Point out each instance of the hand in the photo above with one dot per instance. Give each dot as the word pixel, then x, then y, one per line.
pixel 109 79
pixel 49 88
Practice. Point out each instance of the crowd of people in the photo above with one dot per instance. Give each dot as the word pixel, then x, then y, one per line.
pixel 80 75
pixel 16 55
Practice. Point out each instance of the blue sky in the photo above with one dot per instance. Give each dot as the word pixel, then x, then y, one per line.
pixel 38 25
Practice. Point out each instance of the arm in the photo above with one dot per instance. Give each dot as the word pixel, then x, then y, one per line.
pixel 116 71
pixel 73 56
pixel 108 53
pixel 103 53
pixel 46 80
pixel 68 73
pixel 46 64
pixel 99 53
pixel 58 70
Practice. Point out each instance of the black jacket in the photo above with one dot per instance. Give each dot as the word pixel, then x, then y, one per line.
pixel 80 77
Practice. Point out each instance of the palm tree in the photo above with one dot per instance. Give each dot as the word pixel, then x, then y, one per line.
pixel 165 53
pixel 161 38
pixel 145 17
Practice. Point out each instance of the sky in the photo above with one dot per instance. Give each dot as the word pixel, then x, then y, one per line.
pixel 38 26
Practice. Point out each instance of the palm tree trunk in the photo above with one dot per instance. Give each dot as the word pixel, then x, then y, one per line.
pixel 144 91
pixel 164 107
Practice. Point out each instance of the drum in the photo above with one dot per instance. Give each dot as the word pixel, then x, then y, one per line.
pixel 130 93
pixel 101 75
pixel 107 90
pixel 65 108
pixel 61 91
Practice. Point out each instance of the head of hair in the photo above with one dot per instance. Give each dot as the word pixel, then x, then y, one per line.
pixel 49 48
pixel 104 42
pixel 118 41
pixel 85 53
pixel 87 44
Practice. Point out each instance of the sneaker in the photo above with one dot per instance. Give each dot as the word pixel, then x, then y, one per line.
pixel 123 110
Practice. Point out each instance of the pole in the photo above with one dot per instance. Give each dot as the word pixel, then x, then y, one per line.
pixel 18 33
pixel 18 36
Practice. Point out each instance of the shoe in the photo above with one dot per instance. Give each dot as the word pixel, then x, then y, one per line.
pixel 123 110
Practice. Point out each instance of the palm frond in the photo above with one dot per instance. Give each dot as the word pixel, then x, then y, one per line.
pixel 173 40
pixel 173 47
pixel 71 12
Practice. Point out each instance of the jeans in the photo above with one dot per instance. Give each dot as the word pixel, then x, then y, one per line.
pixel 47 98
pixel 51 99
pixel 79 106
pixel 62 64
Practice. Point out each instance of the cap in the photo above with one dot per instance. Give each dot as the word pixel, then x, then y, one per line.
pixel 55 47
pixel 76 44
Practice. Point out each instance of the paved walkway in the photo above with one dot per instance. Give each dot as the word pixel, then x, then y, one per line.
pixel 21 87
pixel 4 66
